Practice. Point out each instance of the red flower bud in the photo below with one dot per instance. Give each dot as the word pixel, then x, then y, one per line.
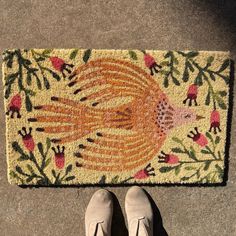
pixel 145 173
pixel 192 94
pixel 14 106
pixel 57 63
pixel 198 138
pixel 151 63
pixel 215 121
pixel 27 139
pixel 60 65
pixel 168 158
pixel 59 157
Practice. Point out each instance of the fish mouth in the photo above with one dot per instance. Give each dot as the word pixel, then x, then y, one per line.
pixel 199 117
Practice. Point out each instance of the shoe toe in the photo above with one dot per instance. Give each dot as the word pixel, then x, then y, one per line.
pixel 102 196
pixel 136 195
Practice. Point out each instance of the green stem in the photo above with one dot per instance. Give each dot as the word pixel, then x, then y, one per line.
pixel 33 159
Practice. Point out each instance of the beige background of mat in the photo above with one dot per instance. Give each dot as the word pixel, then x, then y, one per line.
pixel 204 25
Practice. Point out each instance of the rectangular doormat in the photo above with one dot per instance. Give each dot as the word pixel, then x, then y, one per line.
pixel 85 117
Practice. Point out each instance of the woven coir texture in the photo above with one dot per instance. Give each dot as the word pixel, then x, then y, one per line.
pixel 78 117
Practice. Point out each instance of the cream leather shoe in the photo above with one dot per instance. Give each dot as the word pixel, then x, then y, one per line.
pixel 139 212
pixel 98 215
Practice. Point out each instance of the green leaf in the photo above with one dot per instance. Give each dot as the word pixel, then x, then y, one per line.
pixel 47 162
pixel 164 63
pixel 175 60
pixel 220 170
pixel 28 103
pixel 19 170
pixel 225 64
pixel 177 140
pixel 54 173
pixel 198 80
pixel 28 78
pixel 175 81
pixel 8 91
pixel 133 55
pixel 177 150
pixel 166 82
pixel 217 140
pixel 87 55
pixel 30 168
pixel 30 178
pixel 48 143
pixel 17 148
pixel 11 78
pixel 40 148
pixel 102 180
pixel 23 158
pixel 177 169
pixel 175 70
pixel 208 134
pixel 73 54
pixel 46 52
pixel 208 98
pixel 38 83
pixel 185 77
pixel 222 93
pixel 68 169
pixel 192 155
pixel 69 178
pixel 203 151
pixel 46 83
pixel 167 54
pixel 210 59
pixel 207 165
pixel 192 54
pixel 115 179
pixel 165 169
pixel 189 168
pixel 189 65
pixel 212 76
pixel 221 103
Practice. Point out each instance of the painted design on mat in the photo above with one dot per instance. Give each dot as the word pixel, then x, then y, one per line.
pixel 105 113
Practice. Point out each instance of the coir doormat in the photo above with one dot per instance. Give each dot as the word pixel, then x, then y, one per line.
pixel 77 117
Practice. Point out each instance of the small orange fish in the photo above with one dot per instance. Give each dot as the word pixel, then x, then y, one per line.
pixel 147 115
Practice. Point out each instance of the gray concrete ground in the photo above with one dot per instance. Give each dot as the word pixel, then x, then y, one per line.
pixel 150 24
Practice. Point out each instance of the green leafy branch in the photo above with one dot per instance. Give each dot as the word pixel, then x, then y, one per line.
pixel 35 169
pixel 26 72
pixel 205 73
pixel 203 164
pixel 170 70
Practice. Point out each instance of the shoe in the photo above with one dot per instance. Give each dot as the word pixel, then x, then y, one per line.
pixel 139 212
pixel 98 214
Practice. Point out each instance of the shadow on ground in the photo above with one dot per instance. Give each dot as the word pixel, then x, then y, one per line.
pixel 118 221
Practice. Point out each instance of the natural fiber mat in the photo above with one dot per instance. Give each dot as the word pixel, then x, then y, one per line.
pixel 77 117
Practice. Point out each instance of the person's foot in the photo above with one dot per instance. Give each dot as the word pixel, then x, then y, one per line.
pixel 139 212
pixel 98 215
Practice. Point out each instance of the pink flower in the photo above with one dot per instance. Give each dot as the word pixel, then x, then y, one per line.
pixel 151 63
pixel 27 139
pixel 215 121
pixel 192 95
pixel 15 106
pixel 145 173
pixel 168 158
pixel 60 65
pixel 59 157
pixel 198 138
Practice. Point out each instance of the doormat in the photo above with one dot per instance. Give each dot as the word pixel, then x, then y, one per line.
pixel 116 117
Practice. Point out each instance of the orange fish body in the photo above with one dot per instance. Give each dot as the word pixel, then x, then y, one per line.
pixel 110 137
